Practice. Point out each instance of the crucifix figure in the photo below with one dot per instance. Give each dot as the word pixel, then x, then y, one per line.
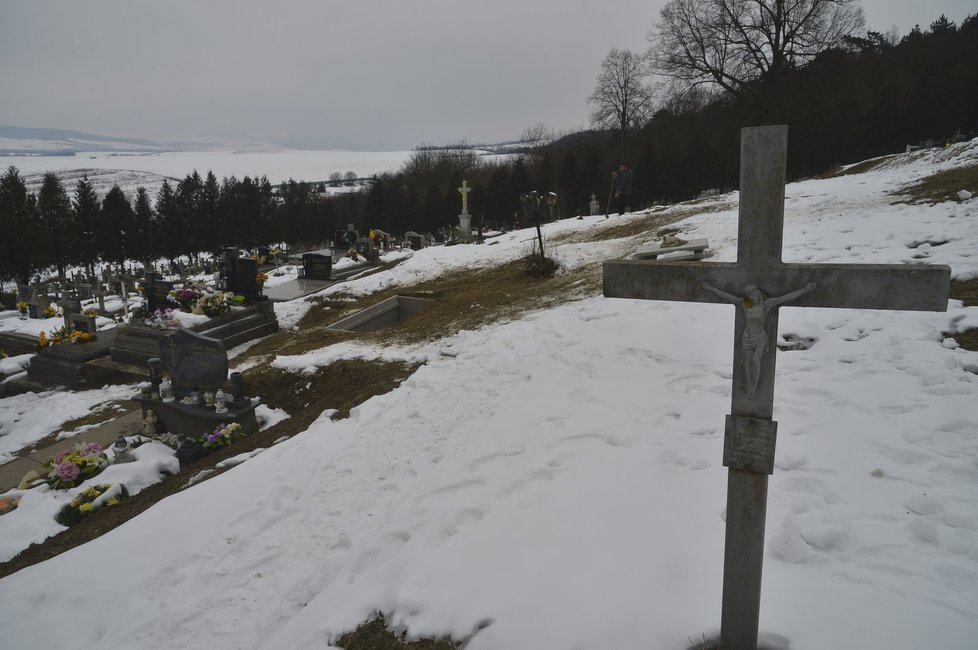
pixel 756 305
pixel 464 191
pixel 766 283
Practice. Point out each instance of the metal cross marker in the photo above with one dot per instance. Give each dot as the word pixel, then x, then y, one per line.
pixel 758 283
pixel 464 191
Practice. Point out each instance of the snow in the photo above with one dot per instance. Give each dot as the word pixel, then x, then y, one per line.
pixel 555 481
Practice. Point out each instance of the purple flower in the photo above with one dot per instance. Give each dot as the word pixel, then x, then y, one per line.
pixel 67 471
pixel 92 448
pixel 60 456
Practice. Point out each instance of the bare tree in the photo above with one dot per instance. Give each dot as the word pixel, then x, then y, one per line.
pixel 733 43
pixel 537 135
pixel 622 99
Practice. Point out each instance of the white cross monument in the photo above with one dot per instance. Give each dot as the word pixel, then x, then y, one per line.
pixel 465 219
pixel 758 283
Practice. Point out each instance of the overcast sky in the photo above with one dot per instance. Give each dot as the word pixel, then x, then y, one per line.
pixel 367 74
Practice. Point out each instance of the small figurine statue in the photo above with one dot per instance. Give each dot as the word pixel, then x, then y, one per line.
pixel 209 398
pixel 149 423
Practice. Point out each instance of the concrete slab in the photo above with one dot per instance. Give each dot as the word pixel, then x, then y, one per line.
pixel 104 434
pixel 296 289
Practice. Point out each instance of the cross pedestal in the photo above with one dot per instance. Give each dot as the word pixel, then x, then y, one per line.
pixel 758 283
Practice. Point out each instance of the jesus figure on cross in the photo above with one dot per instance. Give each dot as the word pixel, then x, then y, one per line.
pixel 756 305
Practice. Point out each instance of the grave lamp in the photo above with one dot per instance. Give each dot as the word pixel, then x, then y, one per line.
pixel 121 451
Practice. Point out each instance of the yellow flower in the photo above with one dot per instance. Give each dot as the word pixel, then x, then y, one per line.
pixel 111 502
pixel 86 507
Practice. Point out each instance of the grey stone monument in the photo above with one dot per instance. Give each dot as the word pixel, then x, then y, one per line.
pixel 594 205
pixel 758 283
pixel 465 219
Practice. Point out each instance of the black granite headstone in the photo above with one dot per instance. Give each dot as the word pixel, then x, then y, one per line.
pixel 317 266
pixel 157 292
pixel 193 361
pixel 245 277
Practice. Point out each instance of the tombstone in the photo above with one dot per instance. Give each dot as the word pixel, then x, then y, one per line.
pixel 339 240
pixel 317 265
pixel 23 292
pixel 415 240
pixel 245 276
pixel 82 323
pixel 156 293
pixel 264 252
pixel 594 205
pixel 8 300
pixel 84 291
pixel 758 284
pixel 70 306
pixel 42 302
pixel 465 219
pixel 193 362
pixel 367 248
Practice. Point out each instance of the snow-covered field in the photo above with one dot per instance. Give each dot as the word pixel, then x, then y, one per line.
pixel 555 481
pixel 130 170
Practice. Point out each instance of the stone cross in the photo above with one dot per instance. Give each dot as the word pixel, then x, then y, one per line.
pixel 464 191
pixel 758 283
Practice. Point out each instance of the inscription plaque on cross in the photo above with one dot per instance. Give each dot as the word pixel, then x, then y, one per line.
pixel 758 284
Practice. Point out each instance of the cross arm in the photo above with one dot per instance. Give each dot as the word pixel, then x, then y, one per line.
pixel 680 281
pixel 911 287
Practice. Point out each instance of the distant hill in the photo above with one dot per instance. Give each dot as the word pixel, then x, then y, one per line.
pixel 18 140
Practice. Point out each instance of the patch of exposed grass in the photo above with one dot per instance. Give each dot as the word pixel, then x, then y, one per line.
pixel 374 635
pixel 942 186
pixel 967 293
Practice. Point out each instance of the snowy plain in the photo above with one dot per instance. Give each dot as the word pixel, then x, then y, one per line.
pixel 555 481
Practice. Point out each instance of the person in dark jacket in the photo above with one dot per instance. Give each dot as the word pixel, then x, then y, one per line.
pixel 623 188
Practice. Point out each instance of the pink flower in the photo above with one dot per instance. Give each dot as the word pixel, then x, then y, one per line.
pixel 67 471
pixel 92 448
pixel 60 456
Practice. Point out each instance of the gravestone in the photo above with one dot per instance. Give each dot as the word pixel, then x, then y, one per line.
pixel 42 302
pixel 317 265
pixel 246 278
pixel 71 305
pixel 415 240
pixel 193 361
pixel 465 219
pixel 365 246
pixel 758 284
pixel 82 323
pixel 85 291
pixel 196 365
pixel 156 293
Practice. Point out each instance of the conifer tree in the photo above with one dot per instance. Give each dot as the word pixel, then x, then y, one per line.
pixel 88 236
pixel 56 217
pixel 20 228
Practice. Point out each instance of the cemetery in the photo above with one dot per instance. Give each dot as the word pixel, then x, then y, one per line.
pixel 445 387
